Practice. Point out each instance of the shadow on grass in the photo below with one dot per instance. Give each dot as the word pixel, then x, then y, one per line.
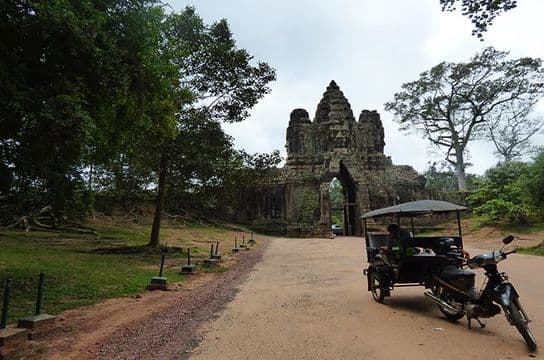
pixel 170 251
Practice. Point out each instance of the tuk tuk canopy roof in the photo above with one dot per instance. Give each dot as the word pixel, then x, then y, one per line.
pixel 413 208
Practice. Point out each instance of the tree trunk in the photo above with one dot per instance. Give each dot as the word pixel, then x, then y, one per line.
pixel 154 241
pixel 90 180
pixel 460 169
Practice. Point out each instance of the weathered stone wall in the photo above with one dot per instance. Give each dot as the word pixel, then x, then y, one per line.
pixel 335 144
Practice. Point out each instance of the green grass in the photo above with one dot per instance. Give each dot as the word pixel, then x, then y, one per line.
pixel 212 268
pixel 523 228
pixel 479 222
pixel 82 269
pixel 535 250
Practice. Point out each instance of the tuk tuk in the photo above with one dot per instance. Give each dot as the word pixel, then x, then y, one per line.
pixel 413 259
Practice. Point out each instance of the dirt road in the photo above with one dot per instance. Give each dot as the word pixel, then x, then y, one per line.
pixel 307 299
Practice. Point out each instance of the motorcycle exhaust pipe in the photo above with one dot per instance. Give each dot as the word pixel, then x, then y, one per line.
pixel 440 302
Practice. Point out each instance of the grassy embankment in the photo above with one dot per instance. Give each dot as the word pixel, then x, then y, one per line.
pixel 535 231
pixel 82 269
pixel 480 228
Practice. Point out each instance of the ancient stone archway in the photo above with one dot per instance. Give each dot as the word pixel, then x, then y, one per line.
pixel 333 144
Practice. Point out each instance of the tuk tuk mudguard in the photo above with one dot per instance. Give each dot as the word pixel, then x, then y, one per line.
pixel 382 275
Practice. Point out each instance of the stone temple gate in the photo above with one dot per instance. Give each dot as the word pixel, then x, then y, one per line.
pixel 332 145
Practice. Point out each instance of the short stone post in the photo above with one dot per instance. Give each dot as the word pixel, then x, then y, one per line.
pixel 243 245
pixel 39 324
pixel 216 254
pixel 235 249
pixel 10 338
pixel 211 261
pixel 188 268
pixel 159 282
pixel 5 305
pixel 252 240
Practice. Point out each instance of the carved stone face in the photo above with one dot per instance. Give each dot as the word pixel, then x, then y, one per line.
pixel 299 115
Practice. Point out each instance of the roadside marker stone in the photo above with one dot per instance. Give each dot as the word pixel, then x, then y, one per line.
pixel 216 254
pixel 235 249
pixel 243 245
pixel 158 282
pixel 252 240
pixel 39 324
pixel 11 339
pixel 188 268
pixel 5 304
pixel 211 260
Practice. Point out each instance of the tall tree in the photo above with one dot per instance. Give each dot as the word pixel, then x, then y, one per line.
pixel 511 130
pixel 481 12
pixel 81 82
pixel 219 82
pixel 451 102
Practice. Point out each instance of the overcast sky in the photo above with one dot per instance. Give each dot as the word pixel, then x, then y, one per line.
pixel 370 48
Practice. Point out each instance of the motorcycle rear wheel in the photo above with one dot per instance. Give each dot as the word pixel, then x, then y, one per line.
pixel 519 321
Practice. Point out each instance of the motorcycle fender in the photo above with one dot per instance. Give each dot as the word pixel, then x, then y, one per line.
pixel 504 294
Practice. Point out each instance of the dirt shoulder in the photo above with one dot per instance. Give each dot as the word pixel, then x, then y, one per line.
pixel 152 326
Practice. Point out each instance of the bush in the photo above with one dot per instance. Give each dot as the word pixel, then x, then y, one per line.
pixel 502 193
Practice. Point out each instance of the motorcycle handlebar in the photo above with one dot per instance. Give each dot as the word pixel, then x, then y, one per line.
pixel 509 252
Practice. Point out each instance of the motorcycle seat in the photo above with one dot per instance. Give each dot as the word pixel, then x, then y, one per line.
pixel 452 273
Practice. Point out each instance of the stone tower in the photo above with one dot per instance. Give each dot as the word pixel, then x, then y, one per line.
pixel 335 144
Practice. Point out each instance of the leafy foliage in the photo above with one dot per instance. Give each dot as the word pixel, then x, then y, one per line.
pixel 451 103
pixel 502 193
pixel 535 184
pixel 481 12
pixel 444 180
pixel 100 98
pixel 83 83
pixel 306 205
pixel 511 130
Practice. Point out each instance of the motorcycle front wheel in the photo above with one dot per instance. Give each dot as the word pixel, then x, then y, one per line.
pixel 521 323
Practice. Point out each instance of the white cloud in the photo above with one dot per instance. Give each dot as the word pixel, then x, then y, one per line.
pixel 370 48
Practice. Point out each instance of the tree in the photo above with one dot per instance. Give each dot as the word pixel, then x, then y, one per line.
pixel 440 181
pixel 336 191
pixel 217 81
pixel 451 103
pixel 511 130
pixel 481 12
pixel 535 183
pixel 83 82
pixel 502 193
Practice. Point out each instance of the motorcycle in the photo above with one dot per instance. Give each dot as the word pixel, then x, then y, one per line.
pixel 453 290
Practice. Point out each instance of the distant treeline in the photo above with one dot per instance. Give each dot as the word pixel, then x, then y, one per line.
pixel 510 192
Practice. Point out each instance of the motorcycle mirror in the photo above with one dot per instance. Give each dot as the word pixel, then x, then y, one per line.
pixel 507 240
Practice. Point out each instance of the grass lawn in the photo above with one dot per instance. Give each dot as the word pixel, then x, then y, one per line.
pixel 82 269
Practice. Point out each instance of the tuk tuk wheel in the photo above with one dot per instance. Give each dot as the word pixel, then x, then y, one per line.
pixel 375 286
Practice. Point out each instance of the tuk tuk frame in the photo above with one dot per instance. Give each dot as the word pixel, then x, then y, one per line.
pixel 384 276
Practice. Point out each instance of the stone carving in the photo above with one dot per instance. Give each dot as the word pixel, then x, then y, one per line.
pixel 334 144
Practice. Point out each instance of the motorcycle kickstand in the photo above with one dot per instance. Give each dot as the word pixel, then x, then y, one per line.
pixel 482 325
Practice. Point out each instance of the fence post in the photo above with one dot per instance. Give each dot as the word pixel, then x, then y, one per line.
pixel 5 305
pixel 40 294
